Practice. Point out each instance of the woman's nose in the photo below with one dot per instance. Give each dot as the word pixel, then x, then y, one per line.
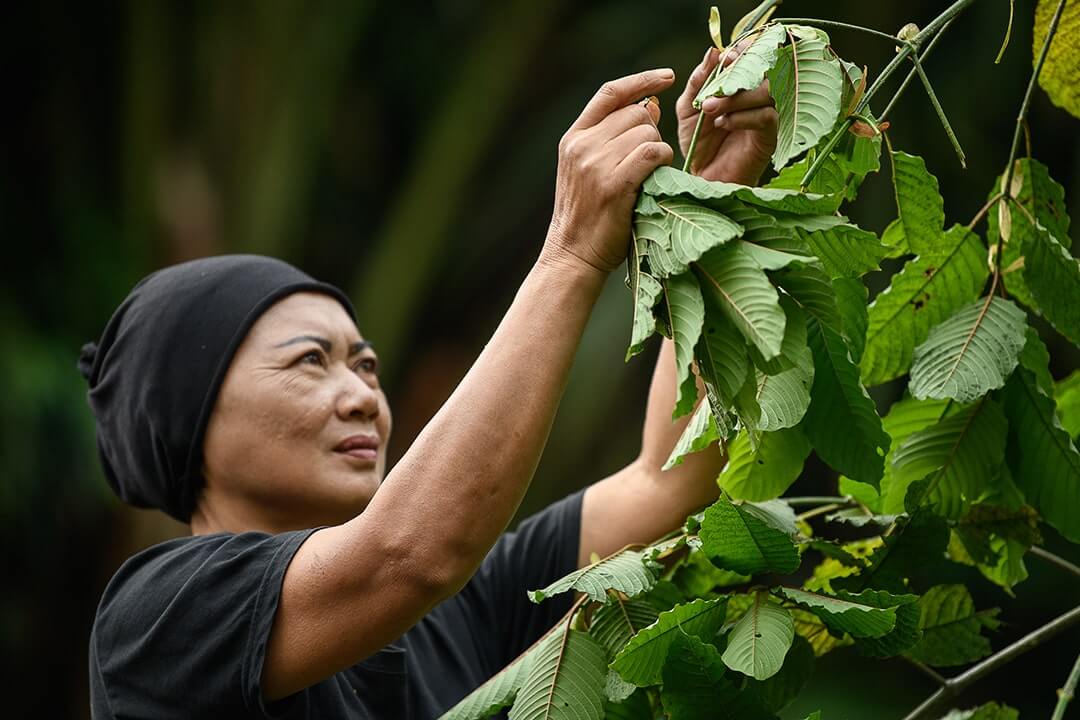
pixel 356 398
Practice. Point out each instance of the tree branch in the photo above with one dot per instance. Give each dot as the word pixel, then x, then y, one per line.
pixel 1055 560
pixel 954 686
pixel 1066 693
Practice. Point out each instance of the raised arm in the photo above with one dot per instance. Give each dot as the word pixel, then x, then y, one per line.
pixel 353 588
pixel 640 503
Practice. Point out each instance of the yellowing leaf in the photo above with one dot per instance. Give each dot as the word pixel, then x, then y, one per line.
pixel 1060 76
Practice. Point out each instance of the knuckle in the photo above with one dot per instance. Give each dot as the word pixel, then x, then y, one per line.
pixel 608 91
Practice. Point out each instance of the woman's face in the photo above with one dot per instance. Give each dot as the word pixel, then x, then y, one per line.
pixel 299 432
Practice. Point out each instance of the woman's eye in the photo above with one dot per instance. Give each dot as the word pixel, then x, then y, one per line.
pixel 367 365
pixel 312 357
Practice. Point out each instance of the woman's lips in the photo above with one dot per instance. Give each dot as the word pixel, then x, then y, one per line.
pixel 361 447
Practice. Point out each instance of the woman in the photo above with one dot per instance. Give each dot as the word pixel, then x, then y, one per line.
pixel 236 394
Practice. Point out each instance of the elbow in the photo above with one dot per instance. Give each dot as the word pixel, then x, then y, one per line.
pixel 434 573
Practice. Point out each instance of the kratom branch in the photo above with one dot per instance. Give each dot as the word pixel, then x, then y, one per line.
pixel 956 685
pixel 912 73
pixel 1055 560
pixel 1067 692
pixel 814 22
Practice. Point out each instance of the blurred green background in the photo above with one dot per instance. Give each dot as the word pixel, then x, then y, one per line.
pixel 407 154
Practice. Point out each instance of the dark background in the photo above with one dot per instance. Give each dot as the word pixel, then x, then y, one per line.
pixel 407 154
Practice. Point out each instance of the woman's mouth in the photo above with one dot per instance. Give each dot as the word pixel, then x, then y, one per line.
pixel 361 447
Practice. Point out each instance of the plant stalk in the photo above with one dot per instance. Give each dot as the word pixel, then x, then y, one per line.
pixel 939 110
pixel 912 73
pixel 1055 560
pixel 1066 693
pixel 814 22
pixel 958 684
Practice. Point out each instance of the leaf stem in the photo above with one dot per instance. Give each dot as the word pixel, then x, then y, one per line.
pixel 983 210
pixel 956 685
pixel 815 500
pixel 939 110
pixel 912 73
pixel 822 509
pixel 1055 560
pixel 697 130
pixel 1066 693
pixel 814 22
pixel 928 671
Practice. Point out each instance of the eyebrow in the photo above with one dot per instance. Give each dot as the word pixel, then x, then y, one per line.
pixel 326 345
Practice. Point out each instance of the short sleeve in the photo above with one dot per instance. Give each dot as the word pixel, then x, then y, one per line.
pixel 182 628
pixel 542 549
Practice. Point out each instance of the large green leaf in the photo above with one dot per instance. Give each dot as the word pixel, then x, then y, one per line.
pixel 971 353
pixel 794 351
pixel 951 628
pixel 1060 76
pixel 766 472
pixel 744 294
pixel 776 693
pixel 721 352
pixel 566 680
pixel 814 292
pixel 987 711
pixel 647 291
pixel 783 398
pixel 686 314
pixel 1067 397
pixel 625 572
pixel 811 628
pixel 499 691
pixel 748 70
pixel 1044 460
pixel 842 423
pixel 906 417
pixel 670 182
pixel 851 305
pixel 959 457
pixel 736 537
pixel 615 623
pixel 696 683
pixel 696 229
pixel 903 636
pixel 641 662
pixel 698 577
pixel 1052 275
pixel 845 614
pixel 918 205
pixel 807 83
pixel 984 524
pixel 845 250
pixel 925 292
pixel 760 639
pixel 916 549
pixel 700 433
pixel 1008 568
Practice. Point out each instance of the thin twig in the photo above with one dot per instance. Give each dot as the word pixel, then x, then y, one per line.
pixel 912 73
pixel 930 672
pixel 939 110
pixel 822 509
pixel 815 500
pixel 954 686
pixel 983 210
pixel 1055 560
pixel 1066 693
pixel 814 22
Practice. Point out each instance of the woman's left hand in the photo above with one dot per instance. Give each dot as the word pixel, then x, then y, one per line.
pixel 738 133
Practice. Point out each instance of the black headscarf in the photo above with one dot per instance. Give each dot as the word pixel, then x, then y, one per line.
pixel 155 374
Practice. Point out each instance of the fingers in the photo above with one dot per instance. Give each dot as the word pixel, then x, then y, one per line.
pixel 744 100
pixel 619 93
pixel 642 161
pixel 762 118
pixel 625 118
pixel 625 143
pixel 684 105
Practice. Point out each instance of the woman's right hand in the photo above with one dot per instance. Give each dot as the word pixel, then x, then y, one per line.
pixel 603 159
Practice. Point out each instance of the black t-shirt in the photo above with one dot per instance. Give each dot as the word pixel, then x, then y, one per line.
pixel 182 628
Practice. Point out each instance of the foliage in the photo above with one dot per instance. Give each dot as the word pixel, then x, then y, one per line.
pixel 761 291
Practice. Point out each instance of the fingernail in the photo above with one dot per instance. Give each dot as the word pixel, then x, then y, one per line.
pixel 708 51
pixel 710 105
pixel 665 73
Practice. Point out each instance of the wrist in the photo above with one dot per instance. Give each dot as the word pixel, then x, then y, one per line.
pixel 558 253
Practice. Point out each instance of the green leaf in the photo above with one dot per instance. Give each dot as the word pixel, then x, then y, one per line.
pixel 906 417
pixel 671 182
pixel 988 711
pixel 696 229
pixel 700 433
pixel 971 353
pixel 566 680
pixel 748 70
pixel 951 628
pixel 615 623
pixel 903 636
pixel 625 572
pixel 1060 75
pixel 794 352
pixel 634 707
pixel 764 473
pixel 807 83
pixel 892 237
pixel 500 691
pixel 647 291
pixel 777 692
pixel 1044 460
pixel 698 577
pixel 958 456
pixel 845 250
pixel 686 314
pixel 1007 570
pixel 851 304
pixel 641 662
pixel 812 289
pixel 811 628
pixel 735 537
pixel 760 639
pixel 1067 397
pixel 919 206
pixel 984 524
pixel 784 398
pixel 845 614
pixel 744 294
pixel 721 352
pixel 842 422
pixel 917 548
pixel 696 683
pixel 924 293
pixel 1052 275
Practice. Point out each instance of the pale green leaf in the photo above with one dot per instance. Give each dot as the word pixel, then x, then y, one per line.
pixel 615 623
pixel 842 422
pixel 760 639
pixel 641 662
pixel 647 291
pixel 744 294
pixel 499 691
pixel 958 456
pixel 906 417
pixel 738 538
pixel 696 683
pixel 807 84
pixel 1067 397
pixel 892 237
pixel 783 399
pixel 748 70
pixel 764 473
pixel 845 613
pixel 670 182
pixel 696 229
pixel 686 314
pixel 971 353
pixel 987 711
pixel 700 433
pixel 951 628
pixel 1043 458
pixel 919 206
pixel 845 250
pixel 1060 75
pixel 1052 276
pixel 625 572
pixel 566 680
pixel 924 293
